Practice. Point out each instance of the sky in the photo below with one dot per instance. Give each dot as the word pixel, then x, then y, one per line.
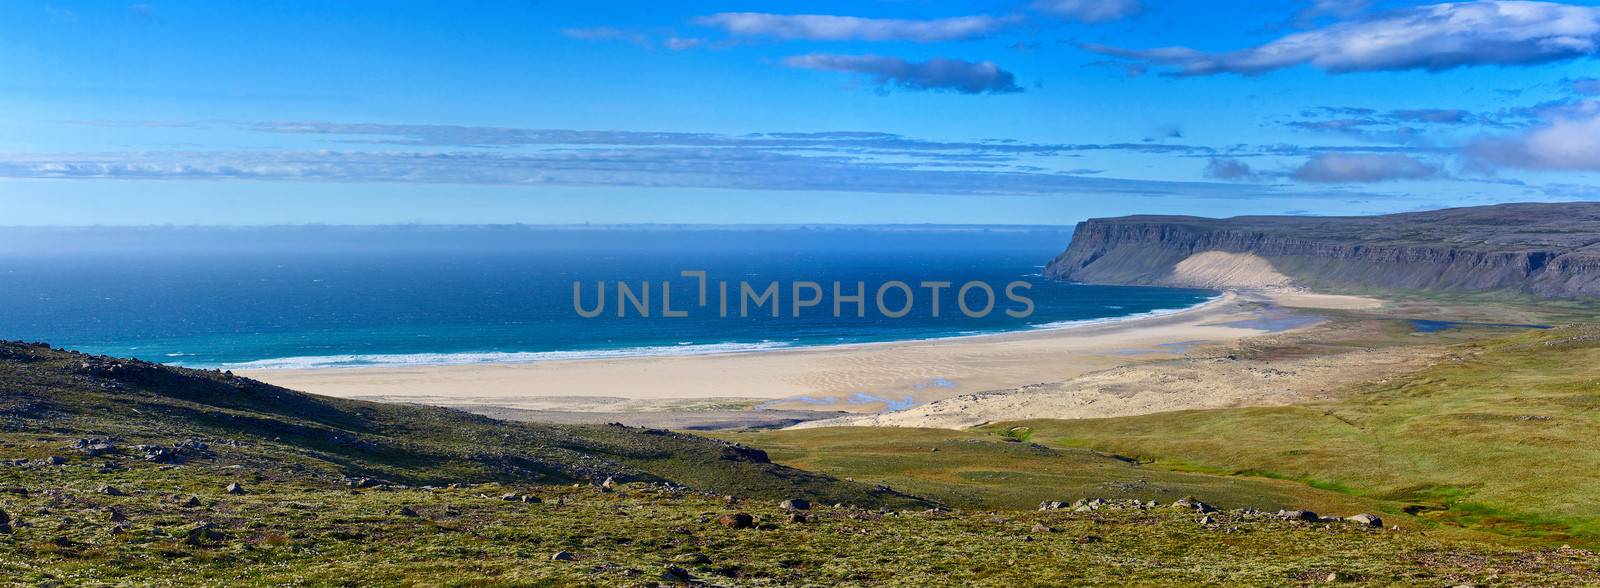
pixel 871 111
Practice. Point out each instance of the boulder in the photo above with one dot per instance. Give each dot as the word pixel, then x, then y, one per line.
pixel 794 504
pixel 234 488
pixel 1367 520
pixel 1298 515
pixel 676 574
pixel 563 556
pixel 111 491
pixel 406 511
pixel 201 533
pixel 55 460
pixel 509 496
pixel 737 521
pixel 5 522
pixel 1042 528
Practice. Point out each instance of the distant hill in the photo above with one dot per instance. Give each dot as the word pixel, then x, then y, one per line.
pixel 1544 250
pixel 184 414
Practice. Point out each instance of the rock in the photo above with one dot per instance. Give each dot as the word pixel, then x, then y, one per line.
pixel 692 559
pixel 794 504
pixel 111 491
pixel 609 483
pixel 509 496
pixel 1042 528
pixel 737 521
pixel 235 488
pixel 116 516
pixel 1367 520
pixel 1194 505
pixel 200 533
pixel 190 502
pixel 676 574
pixel 55 460
pixel 531 499
pixel 17 490
pixel 364 483
pixel 562 556
pixel 1298 515
pixel 5 522
pixel 1335 577
pixel 1207 520
pixel 799 518
pixel 406 511
pixel 1087 539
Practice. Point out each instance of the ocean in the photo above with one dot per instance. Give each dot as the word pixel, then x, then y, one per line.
pixel 346 297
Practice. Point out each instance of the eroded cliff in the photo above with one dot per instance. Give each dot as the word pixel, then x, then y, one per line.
pixel 1546 250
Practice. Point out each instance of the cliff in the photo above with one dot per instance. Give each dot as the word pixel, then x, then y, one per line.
pixel 1545 250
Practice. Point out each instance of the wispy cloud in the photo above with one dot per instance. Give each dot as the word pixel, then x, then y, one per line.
pixel 637 167
pixel 1435 37
pixel 1363 168
pixel 608 34
pixel 1089 10
pixel 1568 139
pixel 827 27
pixel 1230 170
pixel 965 77
pixel 1587 86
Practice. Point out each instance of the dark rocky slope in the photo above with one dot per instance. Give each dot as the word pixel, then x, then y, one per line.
pixel 1546 250
pixel 173 415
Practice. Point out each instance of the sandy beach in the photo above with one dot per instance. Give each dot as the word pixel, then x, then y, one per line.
pixel 862 379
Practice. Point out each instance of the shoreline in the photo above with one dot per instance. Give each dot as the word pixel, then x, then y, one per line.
pixel 858 378
pixel 647 351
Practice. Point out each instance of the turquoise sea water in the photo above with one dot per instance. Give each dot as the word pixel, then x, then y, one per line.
pixel 326 299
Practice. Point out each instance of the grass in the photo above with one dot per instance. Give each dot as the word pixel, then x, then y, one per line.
pixel 996 469
pixel 1500 437
pixel 305 532
pixel 65 395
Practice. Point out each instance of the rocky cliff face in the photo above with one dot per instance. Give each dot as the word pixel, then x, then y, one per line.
pixel 1547 250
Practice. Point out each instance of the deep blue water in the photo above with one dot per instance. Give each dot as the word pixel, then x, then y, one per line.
pixel 276 306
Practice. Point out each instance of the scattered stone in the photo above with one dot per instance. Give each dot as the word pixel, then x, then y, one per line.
pixel 509 496
pixel 531 499
pixel 364 483
pixel 609 483
pixel 1298 515
pixel 799 518
pixel 737 521
pixel 5 522
pixel 1335 577
pixel 1207 521
pixel 55 460
pixel 1087 539
pixel 116 516
pixel 407 511
pixel 119 529
pixel 111 491
pixel 190 502
pixel 676 574
pixel 1367 520
pixel 235 488
pixel 562 556
pixel 794 504
pixel 1042 528
pixel 1194 505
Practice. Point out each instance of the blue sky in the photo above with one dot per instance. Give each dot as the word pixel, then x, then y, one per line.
pixel 1045 111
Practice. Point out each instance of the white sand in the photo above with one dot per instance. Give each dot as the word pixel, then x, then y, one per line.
pixel 866 378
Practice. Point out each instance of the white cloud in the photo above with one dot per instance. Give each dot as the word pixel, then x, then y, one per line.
pixel 826 27
pixel 965 77
pixel 1089 10
pixel 1363 167
pixel 1569 140
pixel 1435 37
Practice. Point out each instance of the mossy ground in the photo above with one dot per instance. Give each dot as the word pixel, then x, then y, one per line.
pixel 290 532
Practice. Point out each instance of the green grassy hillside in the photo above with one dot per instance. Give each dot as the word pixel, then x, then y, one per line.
pixel 49 399
pixel 1500 437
